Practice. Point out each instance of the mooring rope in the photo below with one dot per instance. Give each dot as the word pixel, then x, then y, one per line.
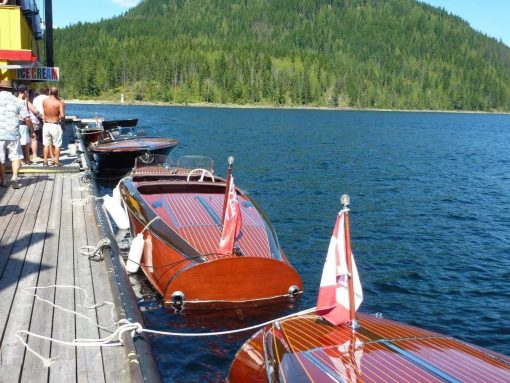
pixel 84 201
pixel 95 253
pixel 123 326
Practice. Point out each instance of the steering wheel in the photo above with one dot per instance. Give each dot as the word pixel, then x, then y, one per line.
pixel 147 158
pixel 205 172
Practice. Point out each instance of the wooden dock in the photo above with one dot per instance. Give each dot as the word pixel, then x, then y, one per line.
pixel 43 226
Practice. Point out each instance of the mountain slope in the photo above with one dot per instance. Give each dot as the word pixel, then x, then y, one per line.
pixel 397 54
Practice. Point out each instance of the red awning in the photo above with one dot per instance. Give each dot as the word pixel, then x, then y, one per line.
pixel 17 55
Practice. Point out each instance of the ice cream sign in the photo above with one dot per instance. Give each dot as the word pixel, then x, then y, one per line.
pixel 38 74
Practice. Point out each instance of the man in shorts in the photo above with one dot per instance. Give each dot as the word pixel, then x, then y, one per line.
pixel 10 109
pixel 54 116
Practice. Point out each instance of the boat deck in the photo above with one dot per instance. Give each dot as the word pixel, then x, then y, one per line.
pixel 43 226
pixel 42 232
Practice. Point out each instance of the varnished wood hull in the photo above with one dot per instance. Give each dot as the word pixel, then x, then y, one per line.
pixel 308 349
pixel 183 259
pixel 91 135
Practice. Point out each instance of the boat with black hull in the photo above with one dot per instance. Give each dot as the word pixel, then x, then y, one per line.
pixel 119 148
pixel 205 242
pixel 119 123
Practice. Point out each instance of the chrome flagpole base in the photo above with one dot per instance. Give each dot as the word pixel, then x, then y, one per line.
pixel 354 324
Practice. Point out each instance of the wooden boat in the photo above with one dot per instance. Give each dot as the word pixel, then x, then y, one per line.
pixel 337 346
pixel 309 349
pixel 181 207
pixel 89 129
pixel 113 124
pixel 118 150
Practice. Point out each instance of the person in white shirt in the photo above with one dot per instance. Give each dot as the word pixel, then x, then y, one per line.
pixel 11 108
pixel 38 104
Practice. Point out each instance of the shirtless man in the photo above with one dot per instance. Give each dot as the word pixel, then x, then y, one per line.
pixel 52 131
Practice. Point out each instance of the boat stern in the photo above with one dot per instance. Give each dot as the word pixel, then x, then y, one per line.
pixel 234 281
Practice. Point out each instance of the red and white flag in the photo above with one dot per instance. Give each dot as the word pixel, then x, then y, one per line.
pixel 333 300
pixel 233 221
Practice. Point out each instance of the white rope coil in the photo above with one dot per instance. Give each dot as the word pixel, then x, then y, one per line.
pixel 95 253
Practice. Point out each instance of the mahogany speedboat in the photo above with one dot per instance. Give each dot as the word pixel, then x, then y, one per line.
pixel 330 344
pixel 93 129
pixel 90 130
pixel 206 243
pixel 120 147
pixel 308 349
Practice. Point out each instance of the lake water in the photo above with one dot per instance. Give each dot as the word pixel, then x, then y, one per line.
pixel 430 215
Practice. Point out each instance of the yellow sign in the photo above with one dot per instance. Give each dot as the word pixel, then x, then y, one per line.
pixel 38 74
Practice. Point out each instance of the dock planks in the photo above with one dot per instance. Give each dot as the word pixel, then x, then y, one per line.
pixel 41 233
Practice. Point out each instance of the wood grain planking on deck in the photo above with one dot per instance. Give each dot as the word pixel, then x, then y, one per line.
pixel 34 222
pixel 89 359
pixel 15 251
pixel 64 369
pixel 42 313
pixel 12 255
pixel 9 212
pixel 114 359
pixel 5 194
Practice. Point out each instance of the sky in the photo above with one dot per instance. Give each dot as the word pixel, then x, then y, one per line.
pixel 487 16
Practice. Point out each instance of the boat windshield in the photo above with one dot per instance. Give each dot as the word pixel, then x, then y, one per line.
pixel 165 164
pixel 126 132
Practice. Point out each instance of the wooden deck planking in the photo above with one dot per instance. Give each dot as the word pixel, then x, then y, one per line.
pixel 32 369
pixel 41 233
pixel 34 228
pixel 114 362
pixel 65 368
pixel 13 255
pixel 8 221
pixel 90 364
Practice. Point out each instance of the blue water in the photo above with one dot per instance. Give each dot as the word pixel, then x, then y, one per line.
pixel 430 206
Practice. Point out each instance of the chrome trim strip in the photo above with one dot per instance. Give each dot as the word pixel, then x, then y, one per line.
pixel 420 362
pixel 209 210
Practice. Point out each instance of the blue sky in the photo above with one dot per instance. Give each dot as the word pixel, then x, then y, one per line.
pixel 487 16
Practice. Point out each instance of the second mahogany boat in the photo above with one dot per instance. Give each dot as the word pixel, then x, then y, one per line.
pixel 331 344
pixel 179 209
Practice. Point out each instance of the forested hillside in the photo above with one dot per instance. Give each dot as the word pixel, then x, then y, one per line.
pixel 396 54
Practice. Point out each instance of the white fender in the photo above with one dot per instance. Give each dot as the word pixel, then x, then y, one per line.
pixel 135 254
pixel 116 194
pixel 118 214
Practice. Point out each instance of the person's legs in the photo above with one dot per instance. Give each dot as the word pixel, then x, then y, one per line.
pixel 45 154
pixel 3 180
pixel 15 156
pixel 57 155
pixel 46 141
pixel 26 154
pixel 57 142
pixel 15 164
pixel 52 153
pixel 34 146
pixel 25 141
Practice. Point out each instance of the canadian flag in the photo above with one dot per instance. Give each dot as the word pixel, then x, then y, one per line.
pixel 233 221
pixel 333 300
